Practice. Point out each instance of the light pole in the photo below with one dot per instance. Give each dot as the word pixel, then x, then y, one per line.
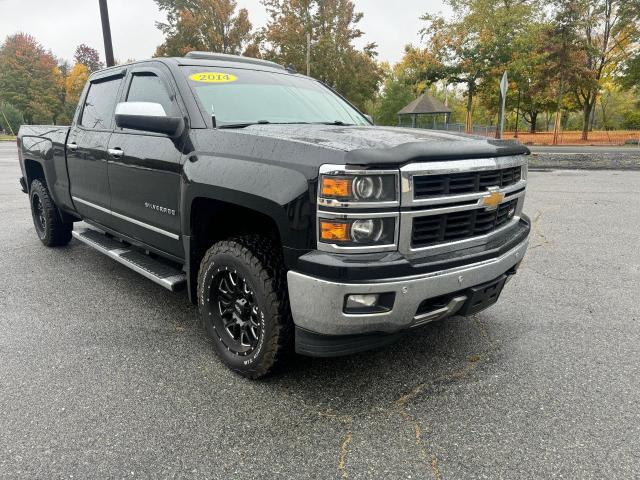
pixel 106 33
pixel 308 54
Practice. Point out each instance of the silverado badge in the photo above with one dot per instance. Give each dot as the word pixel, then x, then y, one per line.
pixel 492 199
pixel 160 209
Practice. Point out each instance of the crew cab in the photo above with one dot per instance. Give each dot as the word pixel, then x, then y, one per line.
pixel 291 220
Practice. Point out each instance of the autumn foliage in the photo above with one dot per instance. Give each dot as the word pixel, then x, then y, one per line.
pixel 30 79
pixel 205 25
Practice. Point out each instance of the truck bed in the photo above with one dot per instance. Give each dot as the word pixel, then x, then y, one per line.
pixel 42 152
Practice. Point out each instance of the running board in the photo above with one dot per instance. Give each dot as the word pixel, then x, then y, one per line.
pixel 164 275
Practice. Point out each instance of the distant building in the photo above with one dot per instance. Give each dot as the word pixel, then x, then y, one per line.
pixel 424 111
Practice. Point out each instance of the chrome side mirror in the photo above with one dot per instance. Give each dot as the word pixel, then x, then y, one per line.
pixel 148 117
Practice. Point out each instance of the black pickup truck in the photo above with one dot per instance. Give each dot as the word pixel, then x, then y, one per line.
pixel 290 219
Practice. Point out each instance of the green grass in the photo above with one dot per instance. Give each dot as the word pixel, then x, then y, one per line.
pixel 7 138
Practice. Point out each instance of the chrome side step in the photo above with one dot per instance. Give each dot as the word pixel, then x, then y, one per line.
pixel 164 275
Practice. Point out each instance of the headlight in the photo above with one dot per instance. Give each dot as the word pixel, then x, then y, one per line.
pixel 358 210
pixel 343 189
pixel 358 232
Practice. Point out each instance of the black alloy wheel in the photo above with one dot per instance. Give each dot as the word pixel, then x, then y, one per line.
pixel 240 321
pixel 39 218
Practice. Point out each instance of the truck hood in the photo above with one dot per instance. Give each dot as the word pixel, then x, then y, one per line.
pixel 388 145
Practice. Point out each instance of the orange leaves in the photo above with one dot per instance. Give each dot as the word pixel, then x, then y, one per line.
pixel 75 82
pixel 29 78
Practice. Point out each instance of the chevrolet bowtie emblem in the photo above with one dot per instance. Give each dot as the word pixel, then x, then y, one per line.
pixel 492 199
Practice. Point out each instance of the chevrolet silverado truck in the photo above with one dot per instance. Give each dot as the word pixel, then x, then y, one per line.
pixel 292 221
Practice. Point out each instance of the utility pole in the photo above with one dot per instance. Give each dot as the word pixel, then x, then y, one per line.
pixel 106 33
pixel 504 86
pixel 558 122
pixel 7 122
pixel 518 113
pixel 308 54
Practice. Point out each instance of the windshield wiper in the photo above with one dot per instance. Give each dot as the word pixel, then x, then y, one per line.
pixel 260 122
pixel 244 125
pixel 336 122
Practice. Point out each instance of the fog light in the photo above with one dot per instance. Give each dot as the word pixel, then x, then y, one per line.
pixel 368 303
pixel 362 301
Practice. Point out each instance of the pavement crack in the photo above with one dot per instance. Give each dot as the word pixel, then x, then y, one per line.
pixel 402 403
pixel 347 421
pixel 400 407
pixel 425 452
pixel 535 224
pixel 344 452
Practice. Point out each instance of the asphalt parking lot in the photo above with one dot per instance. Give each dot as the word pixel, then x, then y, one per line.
pixel 105 374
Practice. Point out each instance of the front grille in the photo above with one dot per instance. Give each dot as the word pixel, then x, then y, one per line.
pixel 451 227
pixel 426 186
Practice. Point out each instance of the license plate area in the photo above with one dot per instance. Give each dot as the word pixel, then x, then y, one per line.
pixel 483 296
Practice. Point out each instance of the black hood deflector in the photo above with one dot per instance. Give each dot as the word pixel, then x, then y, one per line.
pixel 433 152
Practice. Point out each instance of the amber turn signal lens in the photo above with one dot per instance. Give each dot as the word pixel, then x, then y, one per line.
pixel 334 231
pixel 336 187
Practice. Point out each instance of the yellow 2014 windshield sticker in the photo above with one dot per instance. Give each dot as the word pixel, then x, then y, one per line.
pixel 213 77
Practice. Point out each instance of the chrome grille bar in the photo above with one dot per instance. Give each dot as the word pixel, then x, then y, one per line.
pixel 408 172
pixel 451 203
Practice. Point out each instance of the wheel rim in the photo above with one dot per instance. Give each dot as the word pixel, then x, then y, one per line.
pixel 38 213
pixel 239 322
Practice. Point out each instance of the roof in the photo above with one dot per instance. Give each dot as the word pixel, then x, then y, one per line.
pixel 424 104
pixel 231 58
pixel 203 59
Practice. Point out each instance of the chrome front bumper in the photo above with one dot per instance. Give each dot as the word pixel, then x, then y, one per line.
pixel 318 305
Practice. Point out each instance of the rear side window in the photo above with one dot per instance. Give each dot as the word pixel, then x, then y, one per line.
pixel 148 87
pixel 100 104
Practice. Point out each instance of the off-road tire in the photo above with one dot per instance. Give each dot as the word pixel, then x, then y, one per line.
pixel 51 230
pixel 259 262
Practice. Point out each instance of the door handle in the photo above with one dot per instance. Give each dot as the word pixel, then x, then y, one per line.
pixel 72 146
pixel 116 152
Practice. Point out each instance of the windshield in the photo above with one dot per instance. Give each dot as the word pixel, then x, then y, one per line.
pixel 238 97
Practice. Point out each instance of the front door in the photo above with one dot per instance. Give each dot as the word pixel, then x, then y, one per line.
pixel 144 169
pixel 87 149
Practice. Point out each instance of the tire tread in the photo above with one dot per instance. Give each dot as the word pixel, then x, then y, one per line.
pixel 58 233
pixel 263 257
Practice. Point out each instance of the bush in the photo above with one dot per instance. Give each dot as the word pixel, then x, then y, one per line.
pixel 632 120
pixel 10 114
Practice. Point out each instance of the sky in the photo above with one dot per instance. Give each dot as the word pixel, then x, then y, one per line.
pixel 61 25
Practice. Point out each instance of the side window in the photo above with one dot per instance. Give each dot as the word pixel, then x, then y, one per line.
pixel 100 103
pixel 148 87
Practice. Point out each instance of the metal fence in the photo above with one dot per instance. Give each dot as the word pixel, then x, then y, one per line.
pixel 600 137
pixel 596 137
pixel 482 130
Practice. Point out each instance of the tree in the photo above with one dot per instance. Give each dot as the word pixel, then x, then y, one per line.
pixel 396 93
pixel 10 118
pixel 208 25
pixel 632 73
pixel 29 78
pixel 472 47
pixel 89 57
pixel 332 26
pixel 74 83
pixel 632 120
pixel 533 81
pixel 610 31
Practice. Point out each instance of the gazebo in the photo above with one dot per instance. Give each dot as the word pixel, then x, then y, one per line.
pixel 424 105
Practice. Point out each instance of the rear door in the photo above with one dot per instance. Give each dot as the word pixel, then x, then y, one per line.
pixel 144 167
pixel 87 149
